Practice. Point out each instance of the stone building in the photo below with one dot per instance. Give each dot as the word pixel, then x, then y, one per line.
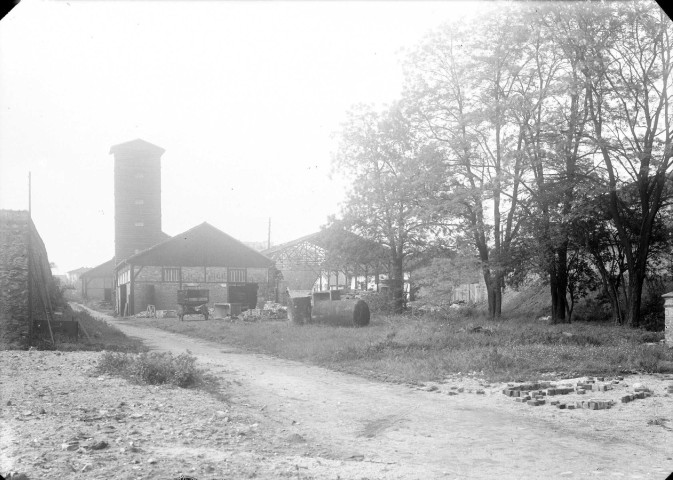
pixel 25 279
pixel 200 258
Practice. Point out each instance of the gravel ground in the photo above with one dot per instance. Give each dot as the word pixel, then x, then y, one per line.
pixel 279 419
pixel 62 420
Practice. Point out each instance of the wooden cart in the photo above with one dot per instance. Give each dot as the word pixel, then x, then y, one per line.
pixel 193 301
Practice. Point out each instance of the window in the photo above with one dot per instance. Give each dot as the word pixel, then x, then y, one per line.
pixel 236 275
pixel 124 277
pixel 140 224
pixel 171 274
pixel 140 202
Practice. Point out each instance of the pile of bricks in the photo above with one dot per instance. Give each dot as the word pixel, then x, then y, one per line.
pixel 594 404
pixel 640 393
pixel 536 394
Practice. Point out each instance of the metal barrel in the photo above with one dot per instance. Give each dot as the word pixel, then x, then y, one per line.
pixel 341 312
pixel 299 310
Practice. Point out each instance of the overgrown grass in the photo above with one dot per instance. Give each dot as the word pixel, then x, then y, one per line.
pixel 154 368
pixel 417 349
pixel 94 335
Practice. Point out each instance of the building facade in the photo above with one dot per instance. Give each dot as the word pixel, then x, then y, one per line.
pixel 200 258
pixel 97 283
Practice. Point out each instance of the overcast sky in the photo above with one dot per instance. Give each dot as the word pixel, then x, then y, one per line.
pixel 244 97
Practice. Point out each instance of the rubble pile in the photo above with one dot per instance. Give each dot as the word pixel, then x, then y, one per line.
pixel 536 394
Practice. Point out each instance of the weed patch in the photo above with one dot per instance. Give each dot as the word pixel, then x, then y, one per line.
pixel 154 368
pixel 424 348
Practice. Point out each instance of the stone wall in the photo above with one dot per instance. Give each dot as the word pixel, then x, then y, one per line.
pixel 20 302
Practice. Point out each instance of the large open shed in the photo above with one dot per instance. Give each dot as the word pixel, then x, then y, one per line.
pixel 330 259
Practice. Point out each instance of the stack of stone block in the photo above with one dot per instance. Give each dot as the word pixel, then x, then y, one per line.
pixel 536 394
pixel 594 404
pixel 640 392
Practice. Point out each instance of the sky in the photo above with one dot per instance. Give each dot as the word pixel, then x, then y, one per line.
pixel 244 96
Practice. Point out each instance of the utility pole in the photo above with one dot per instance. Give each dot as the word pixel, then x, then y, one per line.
pixel 31 327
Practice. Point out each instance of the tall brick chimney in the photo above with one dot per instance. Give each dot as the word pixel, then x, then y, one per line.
pixel 137 188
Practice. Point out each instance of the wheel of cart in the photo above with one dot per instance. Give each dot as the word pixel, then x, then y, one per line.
pixel 193 301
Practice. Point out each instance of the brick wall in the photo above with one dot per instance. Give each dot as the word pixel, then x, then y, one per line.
pixel 17 232
pixel 145 274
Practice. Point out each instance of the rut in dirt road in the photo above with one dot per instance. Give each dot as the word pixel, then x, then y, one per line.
pixel 418 434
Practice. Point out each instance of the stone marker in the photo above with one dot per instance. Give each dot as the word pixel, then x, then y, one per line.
pixel 668 329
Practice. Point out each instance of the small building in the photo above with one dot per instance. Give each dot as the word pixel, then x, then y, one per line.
pixel 96 283
pixel 74 275
pixel 200 258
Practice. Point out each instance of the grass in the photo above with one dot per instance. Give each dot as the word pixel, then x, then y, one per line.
pixel 419 349
pixel 153 368
pixel 94 335
pixel 160 368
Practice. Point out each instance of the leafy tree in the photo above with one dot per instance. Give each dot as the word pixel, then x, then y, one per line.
pixel 462 80
pixel 392 173
pixel 628 68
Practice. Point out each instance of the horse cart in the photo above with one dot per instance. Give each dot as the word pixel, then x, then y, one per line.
pixel 193 302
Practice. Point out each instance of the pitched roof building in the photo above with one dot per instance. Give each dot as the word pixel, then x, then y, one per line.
pixel 203 257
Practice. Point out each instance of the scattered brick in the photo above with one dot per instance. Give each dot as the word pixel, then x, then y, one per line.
pixel 561 406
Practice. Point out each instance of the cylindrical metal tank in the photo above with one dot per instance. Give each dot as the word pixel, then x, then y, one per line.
pixel 341 312
pixel 299 310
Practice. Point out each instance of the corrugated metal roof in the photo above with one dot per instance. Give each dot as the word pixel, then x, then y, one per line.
pixel 325 239
pixel 203 245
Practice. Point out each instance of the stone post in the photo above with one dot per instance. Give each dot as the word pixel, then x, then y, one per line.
pixel 668 306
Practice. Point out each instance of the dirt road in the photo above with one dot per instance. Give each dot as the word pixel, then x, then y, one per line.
pixel 381 430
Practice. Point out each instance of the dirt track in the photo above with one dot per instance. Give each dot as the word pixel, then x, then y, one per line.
pixel 399 432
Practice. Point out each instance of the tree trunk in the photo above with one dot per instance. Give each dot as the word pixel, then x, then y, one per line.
pixel 494 283
pixel 635 290
pixel 398 284
pixel 558 281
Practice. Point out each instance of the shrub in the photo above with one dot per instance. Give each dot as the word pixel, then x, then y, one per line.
pixel 153 368
pixel 378 303
pixel 651 337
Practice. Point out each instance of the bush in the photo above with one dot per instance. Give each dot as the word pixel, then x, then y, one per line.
pixel 378 303
pixel 153 368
